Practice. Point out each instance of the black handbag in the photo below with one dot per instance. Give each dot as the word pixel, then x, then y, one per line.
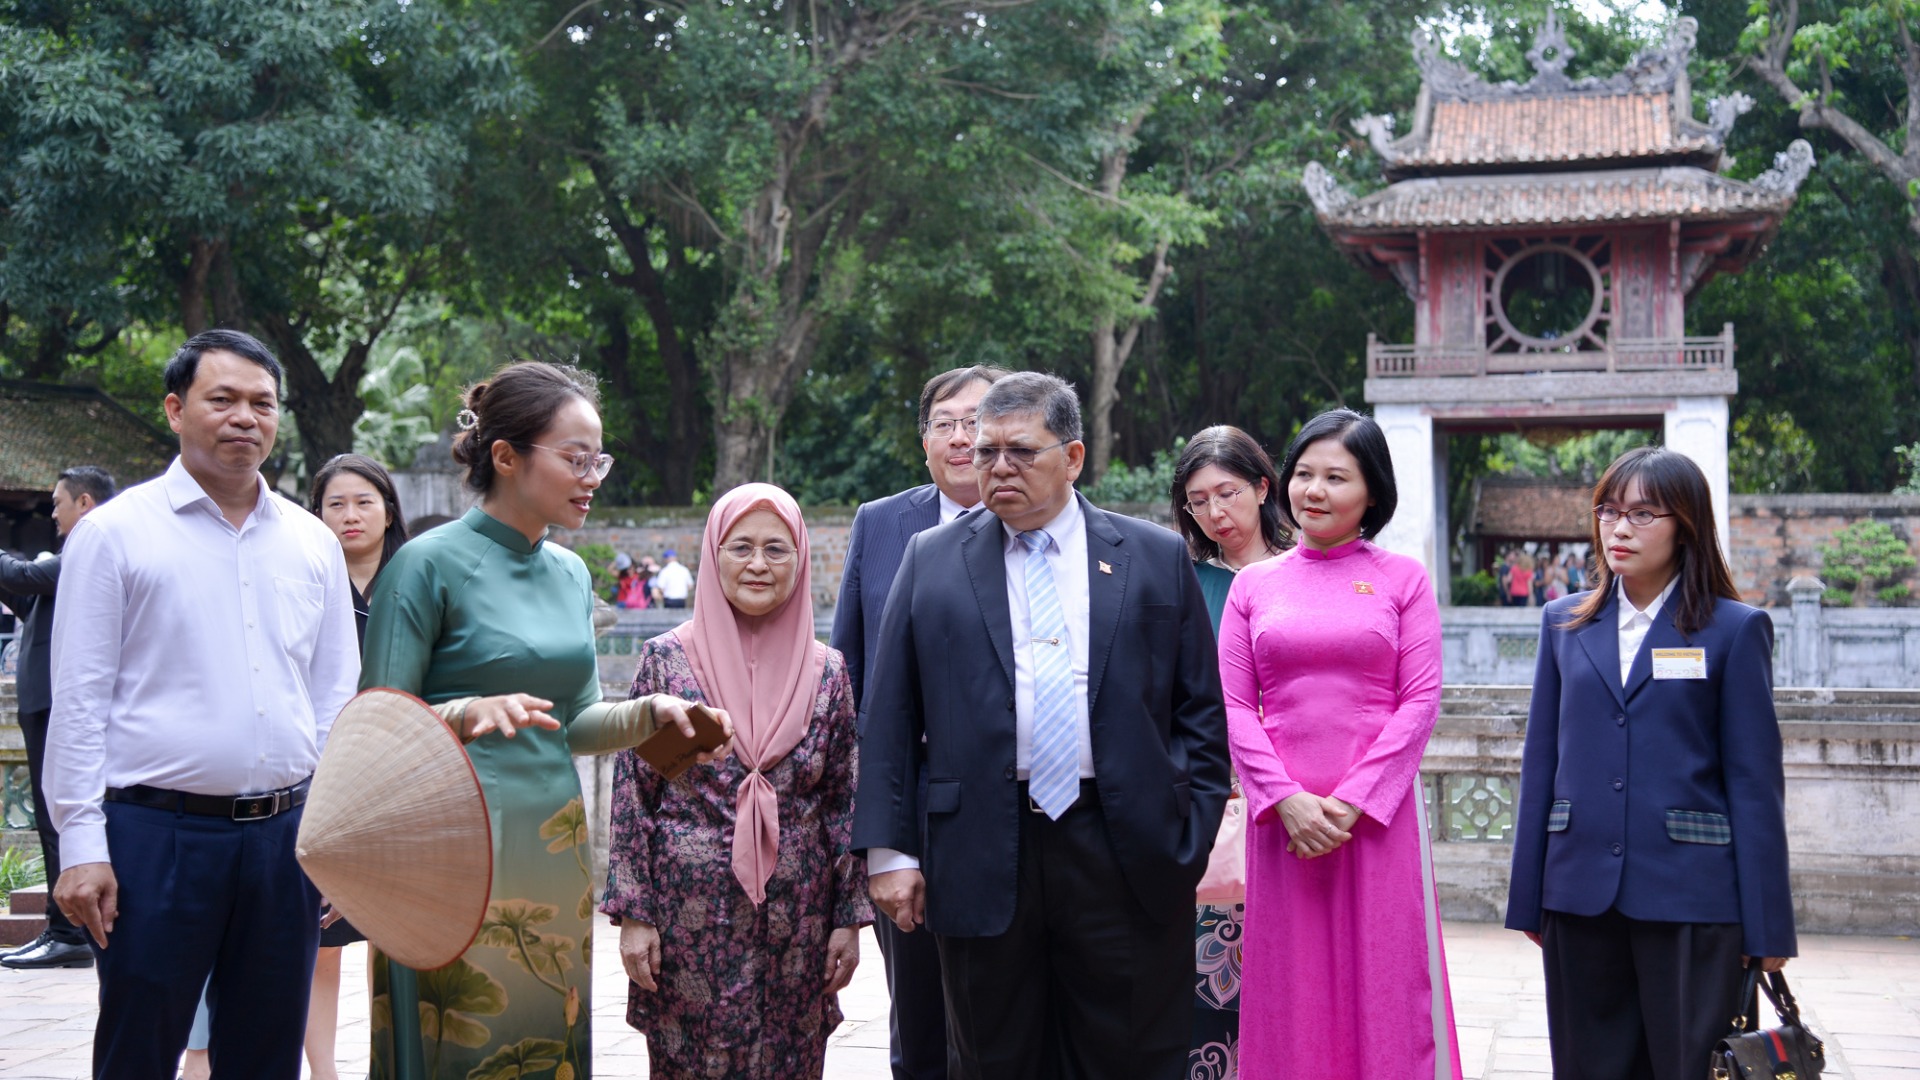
pixel 1787 1052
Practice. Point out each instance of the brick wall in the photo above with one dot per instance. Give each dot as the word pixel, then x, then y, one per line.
pixel 1774 538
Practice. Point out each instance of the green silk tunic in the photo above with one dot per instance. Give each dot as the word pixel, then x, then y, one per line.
pixel 471 609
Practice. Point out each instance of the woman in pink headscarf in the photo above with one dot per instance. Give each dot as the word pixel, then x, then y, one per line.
pixel 739 904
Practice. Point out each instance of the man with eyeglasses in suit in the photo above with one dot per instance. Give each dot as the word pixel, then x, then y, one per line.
pixel 1053 667
pixel 879 538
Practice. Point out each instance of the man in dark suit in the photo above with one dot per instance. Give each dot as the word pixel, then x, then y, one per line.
pixel 879 538
pixel 1058 663
pixel 29 589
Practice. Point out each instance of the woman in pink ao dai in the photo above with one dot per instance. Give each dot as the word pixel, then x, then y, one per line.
pixel 1330 658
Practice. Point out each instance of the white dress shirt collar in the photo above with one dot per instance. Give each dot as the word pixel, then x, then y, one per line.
pixel 1634 623
pixel 1064 530
pixel 950 509
pixel 184 491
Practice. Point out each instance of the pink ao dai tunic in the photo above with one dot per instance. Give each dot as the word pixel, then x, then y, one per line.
pixel 1344 975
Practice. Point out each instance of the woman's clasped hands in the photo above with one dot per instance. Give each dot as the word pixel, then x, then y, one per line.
pixel 1316 825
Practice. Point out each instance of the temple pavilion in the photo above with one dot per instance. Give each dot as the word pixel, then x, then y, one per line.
pixel 1549 235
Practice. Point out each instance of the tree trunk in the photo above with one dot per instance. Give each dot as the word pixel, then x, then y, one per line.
pixel 326 408
pixel 1105 395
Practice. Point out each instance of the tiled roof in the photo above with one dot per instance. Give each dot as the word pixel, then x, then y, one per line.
pixel 1554 130
pixel 1616 196
pixel 1531 507
pixel 45 429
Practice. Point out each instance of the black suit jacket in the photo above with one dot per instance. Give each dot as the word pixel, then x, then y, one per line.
pixel 944 669
pixel 28 587
pixel 879 538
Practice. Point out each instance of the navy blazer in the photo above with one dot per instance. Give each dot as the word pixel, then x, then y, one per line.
pixel 29 588
pixel 875 546
pixel 943 668
pixel 1666 799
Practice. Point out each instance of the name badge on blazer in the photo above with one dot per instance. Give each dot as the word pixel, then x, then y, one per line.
pixel 1679 663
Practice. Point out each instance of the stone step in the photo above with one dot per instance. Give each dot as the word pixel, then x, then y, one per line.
pixel 20 929
pixel 31 900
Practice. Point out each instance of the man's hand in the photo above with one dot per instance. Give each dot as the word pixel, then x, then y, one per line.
pixel 843 955
pixel 901 895
pixel 668 709
pixel 89 894
pixel 640 953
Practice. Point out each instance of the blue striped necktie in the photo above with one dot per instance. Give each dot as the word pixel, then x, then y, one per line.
pixel 1053 759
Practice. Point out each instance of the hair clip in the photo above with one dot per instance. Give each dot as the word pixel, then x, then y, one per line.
pixel 467 419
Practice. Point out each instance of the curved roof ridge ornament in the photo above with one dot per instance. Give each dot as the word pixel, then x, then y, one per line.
pixel 1790 169
pixel 1652 70
pixel 1379 132
pixel 1723 111
pixel 1324 189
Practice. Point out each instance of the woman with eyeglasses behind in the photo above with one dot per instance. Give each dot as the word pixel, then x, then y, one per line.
pixel 492 626
pixel 739 903
pixel 1226 502
pixel 1650 843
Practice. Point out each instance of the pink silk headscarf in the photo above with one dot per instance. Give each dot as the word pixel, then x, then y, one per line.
pixel 765 676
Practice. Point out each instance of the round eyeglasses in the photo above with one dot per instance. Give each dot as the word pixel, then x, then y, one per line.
pixel 584 463
pixel 742 552
pixel 1222 499
pixel 1639 517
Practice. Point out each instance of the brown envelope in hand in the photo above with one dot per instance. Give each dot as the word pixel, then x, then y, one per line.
pixel 671 752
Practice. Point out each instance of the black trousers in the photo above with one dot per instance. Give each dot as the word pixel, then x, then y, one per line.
pixel 918 1010
pixel 1085 984
pixel 202 895
pixel 1629 999
pixel 33 726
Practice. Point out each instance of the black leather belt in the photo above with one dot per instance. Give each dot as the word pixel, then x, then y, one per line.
pixel 233 807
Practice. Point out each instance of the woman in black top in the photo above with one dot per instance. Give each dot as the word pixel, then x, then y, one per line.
pixel 356 498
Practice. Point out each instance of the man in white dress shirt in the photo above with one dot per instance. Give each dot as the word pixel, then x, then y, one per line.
pixel 1054 667
pixel 203 645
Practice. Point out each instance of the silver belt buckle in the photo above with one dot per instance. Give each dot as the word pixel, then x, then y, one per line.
pixel 257 807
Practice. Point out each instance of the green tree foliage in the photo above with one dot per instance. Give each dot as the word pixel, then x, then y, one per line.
pixel 1866 558
pixel 284 169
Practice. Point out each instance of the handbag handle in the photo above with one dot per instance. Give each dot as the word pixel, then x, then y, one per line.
pixel 1775 985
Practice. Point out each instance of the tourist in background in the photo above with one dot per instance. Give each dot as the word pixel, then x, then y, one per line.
pixel 353 494
pixel 739 903
pixel 1650 846
pixel 916 1004
pixel 1330 656
pixel 674 582
pixel 1226 499
pixel 493 627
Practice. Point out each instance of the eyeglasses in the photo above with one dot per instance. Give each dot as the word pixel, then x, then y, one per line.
pixel 1224 500
pixel 944 428
pixel 1640 517
pixel 599 465
pixel 742 552
pixel 1021 456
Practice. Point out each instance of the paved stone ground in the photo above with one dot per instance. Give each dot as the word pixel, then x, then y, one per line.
pixel 1861 994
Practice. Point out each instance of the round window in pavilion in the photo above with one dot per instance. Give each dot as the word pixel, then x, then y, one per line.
pixel 1549 296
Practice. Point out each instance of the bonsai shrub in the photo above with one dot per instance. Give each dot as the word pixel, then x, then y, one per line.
pixel 1866 558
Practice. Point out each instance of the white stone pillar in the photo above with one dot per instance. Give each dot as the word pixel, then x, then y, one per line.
pixel 1698 427
pixel 1409 433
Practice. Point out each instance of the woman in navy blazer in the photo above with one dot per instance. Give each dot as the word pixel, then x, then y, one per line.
pixel 1650 855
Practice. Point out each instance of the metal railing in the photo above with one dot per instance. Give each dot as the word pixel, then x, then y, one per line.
pixel 1714 353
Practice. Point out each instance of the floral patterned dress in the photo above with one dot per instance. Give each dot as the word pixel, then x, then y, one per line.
pixel 741 988
pixel 1215 1052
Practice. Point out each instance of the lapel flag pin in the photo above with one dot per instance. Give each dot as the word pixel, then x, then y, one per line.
pixel 1106 567
pixel 1365 587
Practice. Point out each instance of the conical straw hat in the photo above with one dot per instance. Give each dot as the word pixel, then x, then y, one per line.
pixel 395 832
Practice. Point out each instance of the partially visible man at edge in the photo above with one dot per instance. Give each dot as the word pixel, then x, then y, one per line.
pixel 29 587
pixel 879 538
pixel 204 643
